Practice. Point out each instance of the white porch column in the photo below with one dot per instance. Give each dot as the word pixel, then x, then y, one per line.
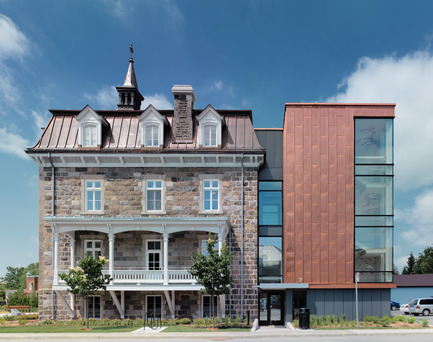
pixel 72 244
pixel 220 242
pixel 56 258
pixel 165 237
pixel 111 255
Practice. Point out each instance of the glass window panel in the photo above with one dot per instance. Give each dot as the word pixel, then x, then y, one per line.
pixel 270 208
pixel 374 141
pixel 97 184
pixel 373 252
pixel 374 221
pixel 373 195
pixel 207 308
pixel 387 170
pixel 271 186
pixel 263 312
pixel 270 231
pixel 270 256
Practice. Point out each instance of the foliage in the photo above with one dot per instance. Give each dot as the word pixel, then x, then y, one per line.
pixel 199 323
pixel 18 298
pixel 425 323
pixel 185 321
pixel 422 264
pixel 33 300
pixel 87 278
pixel 15 278
pixel 213 270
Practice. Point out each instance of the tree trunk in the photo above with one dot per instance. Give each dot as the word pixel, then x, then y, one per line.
pixel 212 310
pixel 86 310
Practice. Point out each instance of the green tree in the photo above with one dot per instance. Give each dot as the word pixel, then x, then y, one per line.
pixel 212 271
pixel 86 279
pixel 408 269
pixel 424 262
pixel 15 278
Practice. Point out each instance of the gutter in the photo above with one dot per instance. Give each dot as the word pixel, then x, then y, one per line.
pixel 242 236
pixel 53 213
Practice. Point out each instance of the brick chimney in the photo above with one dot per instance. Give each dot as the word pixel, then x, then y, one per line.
pixel 184 99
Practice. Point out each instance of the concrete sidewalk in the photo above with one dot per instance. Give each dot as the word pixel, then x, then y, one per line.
pixel 262 332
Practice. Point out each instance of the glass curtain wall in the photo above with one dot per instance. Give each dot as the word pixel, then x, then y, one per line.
pixel 374 170
pixel 270 232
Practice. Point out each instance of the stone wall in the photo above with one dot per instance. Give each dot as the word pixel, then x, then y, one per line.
pixel 124 196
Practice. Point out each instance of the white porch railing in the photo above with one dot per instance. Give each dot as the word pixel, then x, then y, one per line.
pixel 133 276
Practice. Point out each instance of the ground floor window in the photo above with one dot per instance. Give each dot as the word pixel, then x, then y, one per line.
pixel 153 306
pixel 207 306
pixel 94 307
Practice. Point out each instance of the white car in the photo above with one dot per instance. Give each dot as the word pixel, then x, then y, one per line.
pixel 422 306
pixel 405 309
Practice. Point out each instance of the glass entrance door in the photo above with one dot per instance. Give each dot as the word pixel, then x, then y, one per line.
pixel 271 308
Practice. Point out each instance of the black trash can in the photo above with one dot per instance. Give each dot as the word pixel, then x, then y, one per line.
pixel 304 318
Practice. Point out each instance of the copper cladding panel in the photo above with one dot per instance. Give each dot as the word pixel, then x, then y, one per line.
pixel 319 190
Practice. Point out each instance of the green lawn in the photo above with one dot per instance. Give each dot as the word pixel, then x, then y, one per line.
pixel 64 329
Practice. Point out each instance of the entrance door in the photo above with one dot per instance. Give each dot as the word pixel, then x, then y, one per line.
pixel 271 308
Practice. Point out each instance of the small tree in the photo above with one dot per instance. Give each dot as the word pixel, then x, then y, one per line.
pixel 212 271
pixel 87 278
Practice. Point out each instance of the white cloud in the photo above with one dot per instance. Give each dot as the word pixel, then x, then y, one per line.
pixel 406 81
pixel 159 101
pixel 41 120
pixel 106 98
pixel 13 143
pixel 13 42
pixel 9 94
pixel 117 8
pixel 419 220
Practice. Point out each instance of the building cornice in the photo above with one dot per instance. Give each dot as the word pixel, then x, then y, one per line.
pixel 179 160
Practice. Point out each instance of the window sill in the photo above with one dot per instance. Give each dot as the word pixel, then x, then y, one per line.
pixel 96 212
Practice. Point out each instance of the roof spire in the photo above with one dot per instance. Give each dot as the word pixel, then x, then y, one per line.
pixel 129 96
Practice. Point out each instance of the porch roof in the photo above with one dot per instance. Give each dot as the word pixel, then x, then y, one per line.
pixel 161 225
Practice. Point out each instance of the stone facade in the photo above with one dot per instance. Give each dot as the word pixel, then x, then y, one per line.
pixel 123 196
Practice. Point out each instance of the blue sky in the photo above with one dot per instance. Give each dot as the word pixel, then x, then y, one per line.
pixel 254 55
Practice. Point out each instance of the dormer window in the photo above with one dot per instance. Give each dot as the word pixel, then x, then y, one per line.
pixel 152 127
pixel 90 128
pixel 209 135
pixel 210 128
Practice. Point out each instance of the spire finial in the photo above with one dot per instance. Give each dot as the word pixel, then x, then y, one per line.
pixel 132 50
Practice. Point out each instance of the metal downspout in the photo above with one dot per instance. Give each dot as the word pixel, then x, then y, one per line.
pixel 53 213
pixel 242 236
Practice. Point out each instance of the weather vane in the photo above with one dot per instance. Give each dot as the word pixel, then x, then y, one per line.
pixel 132 50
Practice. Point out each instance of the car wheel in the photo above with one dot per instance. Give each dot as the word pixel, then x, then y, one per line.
pixel 393 308
pixel 426 312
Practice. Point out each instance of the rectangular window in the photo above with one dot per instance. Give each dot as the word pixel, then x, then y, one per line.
pixel 152 136
pixel 204 247
pixel 93 248
pixel 93 198
pixel 154 306
pixel 89 136
pixel 270 259
pixel 153 195
pixel 211 195
pixel 154 253
pixel 209 136
pixel 374 208
pixel 94 307
pixel 207 307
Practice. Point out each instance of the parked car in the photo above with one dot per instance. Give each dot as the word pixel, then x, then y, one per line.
pixel 421 306
pixel 395 306
pixel 405 308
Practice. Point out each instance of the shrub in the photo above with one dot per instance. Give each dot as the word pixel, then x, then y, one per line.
pixel 128 321
pixel 237 320
pixel 207 321
pixel 425 323
pixel 139 322
pixel 227 321
pixel 198 323
pixel 185 321
pixel 47 322
pixel 116 322
pixel 368 319
pixel 217 320
pixel 22 321
pixel 385 321
pixel 2 321
pixel 411 320
pixel 173 321
pixel 164 322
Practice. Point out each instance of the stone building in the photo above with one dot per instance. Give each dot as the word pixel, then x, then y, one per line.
pixel 144 188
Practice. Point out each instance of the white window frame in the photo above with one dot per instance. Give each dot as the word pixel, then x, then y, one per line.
pixel 151 186
pixel 151 135
pixel 88 118
pixel 153 178
pixel 209 135
pixel 160 252
pixel 217 306
pixel 204 245
pixel 162 303
pixel 211 189
pixel 93 249
pixel 100 307
pixel 94 190
pixel 93 134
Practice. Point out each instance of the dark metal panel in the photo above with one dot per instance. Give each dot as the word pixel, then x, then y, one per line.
pixel 272 142
pixel 289 306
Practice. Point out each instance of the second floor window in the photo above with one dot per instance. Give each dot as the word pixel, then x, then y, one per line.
pixel 211 195
pixel 153 195
pixel 93 195
pixel 92 248
pixel 152 138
